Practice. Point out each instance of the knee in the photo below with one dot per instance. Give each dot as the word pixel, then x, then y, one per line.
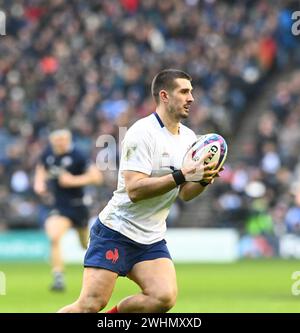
pixel 53 235
pixel 54 239
pixel 165 300
pixel 91 304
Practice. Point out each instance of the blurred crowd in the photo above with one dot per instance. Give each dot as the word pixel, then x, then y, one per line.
pixel 261 195
pixel 88 66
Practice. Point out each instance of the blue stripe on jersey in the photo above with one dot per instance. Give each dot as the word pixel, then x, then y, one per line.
pixel 159 120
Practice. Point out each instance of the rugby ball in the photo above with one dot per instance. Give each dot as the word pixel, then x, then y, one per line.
pixel 210 143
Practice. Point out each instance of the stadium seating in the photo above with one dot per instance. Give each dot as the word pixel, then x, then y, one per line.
pixel 87 65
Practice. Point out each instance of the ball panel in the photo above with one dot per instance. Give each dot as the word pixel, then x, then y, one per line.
pixel 214 143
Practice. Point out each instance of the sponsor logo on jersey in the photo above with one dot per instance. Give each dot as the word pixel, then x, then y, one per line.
pixel 112 255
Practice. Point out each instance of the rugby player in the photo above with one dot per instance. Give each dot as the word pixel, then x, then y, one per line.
pixel 127 239
pixel 64 171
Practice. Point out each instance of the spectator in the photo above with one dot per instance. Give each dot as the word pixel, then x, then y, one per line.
pixel 87 64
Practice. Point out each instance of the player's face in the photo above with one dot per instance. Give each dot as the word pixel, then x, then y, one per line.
pixel 181 99
pixel 61 144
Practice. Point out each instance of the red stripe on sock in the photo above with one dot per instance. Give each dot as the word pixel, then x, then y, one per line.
pixel 113 310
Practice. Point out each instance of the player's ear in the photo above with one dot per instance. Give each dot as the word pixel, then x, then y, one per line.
pixel 164 96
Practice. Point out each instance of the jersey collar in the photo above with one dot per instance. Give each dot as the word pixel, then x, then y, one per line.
pixel 161 122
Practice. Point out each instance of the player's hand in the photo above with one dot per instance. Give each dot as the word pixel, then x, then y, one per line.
pixel 195 171
pixel 218 174
pixel 66 179
pixel 40 188
pixel 210 180
pixel 95 176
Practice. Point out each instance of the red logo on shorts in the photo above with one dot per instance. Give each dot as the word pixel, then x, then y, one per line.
pixel 112 255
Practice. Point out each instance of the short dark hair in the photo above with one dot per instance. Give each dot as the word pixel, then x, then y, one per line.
pixel 165 80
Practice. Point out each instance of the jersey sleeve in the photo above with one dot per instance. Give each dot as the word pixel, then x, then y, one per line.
pixel 137 153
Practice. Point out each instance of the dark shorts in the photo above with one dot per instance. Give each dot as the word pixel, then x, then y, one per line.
pixel 112 250
pixel 77 214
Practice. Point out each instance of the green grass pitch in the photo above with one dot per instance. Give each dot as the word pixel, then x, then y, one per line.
pixel 245 286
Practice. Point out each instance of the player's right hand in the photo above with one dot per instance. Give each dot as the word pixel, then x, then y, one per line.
pixel 95 175
pixel 66 179
pixel 195 171
pixel 40 188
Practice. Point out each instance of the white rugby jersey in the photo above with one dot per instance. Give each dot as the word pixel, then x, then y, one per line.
pixel 148 147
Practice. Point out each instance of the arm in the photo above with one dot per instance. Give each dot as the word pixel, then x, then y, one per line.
pixel 136 165
pixel 39 182
pixel 91 177
pixel 140 186
pixel 189 191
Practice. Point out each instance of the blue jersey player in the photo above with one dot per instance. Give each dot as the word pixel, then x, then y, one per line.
pixel 64 171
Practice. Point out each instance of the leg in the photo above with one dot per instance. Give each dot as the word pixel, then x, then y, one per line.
pixel 56 226
pixel 97 288
pixel 157 279
pixel 80 218
pixel 83 234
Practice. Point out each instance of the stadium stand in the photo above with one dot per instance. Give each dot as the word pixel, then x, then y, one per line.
pixel 87 65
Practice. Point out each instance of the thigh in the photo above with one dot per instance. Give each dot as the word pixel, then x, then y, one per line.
pixel 56 226
pixel 83 234
pixel 97 285
pixel 79 216
pixel 107 249
pixel 155 276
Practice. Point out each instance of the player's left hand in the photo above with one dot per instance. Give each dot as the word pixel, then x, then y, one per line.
pixel 218 174
pixel 66 179
pixel 210 180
